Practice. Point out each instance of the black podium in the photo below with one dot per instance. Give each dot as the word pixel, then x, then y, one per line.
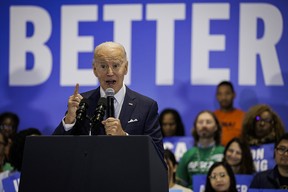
pixel 92 164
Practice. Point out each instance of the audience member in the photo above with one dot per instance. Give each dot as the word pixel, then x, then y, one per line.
pixel 17 147
pixel 276 178
pixel 171 123
pixel 4 147
pixel 220 178
pixel 230 117
pixel 261 125
pixel 9 123
pixel 170 160
pixel 238 155
pixel 16 152
pixel 3 144
pixel 207 149
pixel 135 114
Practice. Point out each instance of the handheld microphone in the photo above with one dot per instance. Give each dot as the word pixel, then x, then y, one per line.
pixel 100 110
pixel 81 111
pixel 110 102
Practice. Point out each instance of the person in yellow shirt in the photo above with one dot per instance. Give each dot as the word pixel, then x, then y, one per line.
pixel 229 117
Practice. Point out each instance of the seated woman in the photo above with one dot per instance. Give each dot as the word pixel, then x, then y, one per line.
pixel 171 123
pixel 220 178
pixel 172 164
pixel 261 125
pixel 238 155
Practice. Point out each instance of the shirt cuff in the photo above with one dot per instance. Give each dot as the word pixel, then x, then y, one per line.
pixel 67 127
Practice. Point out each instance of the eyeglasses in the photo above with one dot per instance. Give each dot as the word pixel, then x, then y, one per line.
pixel 6 127
pixel 104 67
pixel 282 150
pixel 215 176
pixel 259 119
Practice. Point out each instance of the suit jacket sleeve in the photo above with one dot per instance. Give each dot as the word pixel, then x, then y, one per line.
pixel 153 128
pixel 83 128
pixel 76 130
pixel 139 116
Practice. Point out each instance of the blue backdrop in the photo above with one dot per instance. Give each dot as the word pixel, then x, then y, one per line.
pixel 178 52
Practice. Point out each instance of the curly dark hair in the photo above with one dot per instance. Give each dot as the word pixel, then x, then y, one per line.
pixel 248 125
pixel 169 155
pixel 5 142
pixel 246 163
pixel 232 187
pixel 180 130
pixel 5 138
pixel 217 135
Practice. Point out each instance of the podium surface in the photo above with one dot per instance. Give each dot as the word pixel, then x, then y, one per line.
pixel 92 163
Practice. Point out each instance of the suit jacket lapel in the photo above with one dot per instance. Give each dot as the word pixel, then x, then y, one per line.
pixel 127 108
pixel 93 99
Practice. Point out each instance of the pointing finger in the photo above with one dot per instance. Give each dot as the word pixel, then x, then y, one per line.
pixel 76 90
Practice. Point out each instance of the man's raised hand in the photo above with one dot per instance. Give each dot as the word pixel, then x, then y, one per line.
pixel 73 104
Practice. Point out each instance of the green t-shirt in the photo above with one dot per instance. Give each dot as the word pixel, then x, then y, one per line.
pixel 7 167
pixel 197 161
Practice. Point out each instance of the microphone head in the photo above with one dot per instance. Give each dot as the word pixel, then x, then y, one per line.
pixel 85 102
pixel 81 111
pixel 99 111
pixel 109 92
pixel 110 102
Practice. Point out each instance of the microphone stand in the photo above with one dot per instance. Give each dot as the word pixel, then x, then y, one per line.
pixel 92 124
pixel 96 119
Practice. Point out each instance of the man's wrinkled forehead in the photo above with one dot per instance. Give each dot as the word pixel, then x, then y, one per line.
pixel 107 58
pixel 109 52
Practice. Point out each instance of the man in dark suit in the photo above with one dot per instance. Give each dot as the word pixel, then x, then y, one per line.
pixel 135 114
